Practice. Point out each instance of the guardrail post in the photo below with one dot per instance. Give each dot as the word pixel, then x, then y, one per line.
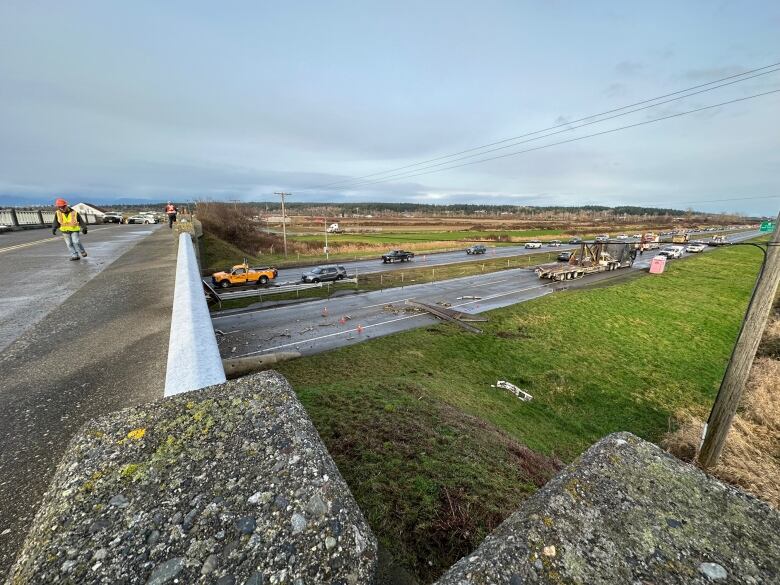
pixel 14 219
pixel 193 356
pixel 40 217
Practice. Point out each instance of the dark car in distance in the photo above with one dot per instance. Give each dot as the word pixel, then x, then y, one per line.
pixel 564 256
pixel 476 249
pixel 324 274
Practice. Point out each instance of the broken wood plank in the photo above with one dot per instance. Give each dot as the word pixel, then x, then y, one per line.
pixel 442 314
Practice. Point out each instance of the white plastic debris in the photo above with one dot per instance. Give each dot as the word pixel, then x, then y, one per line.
pixel 521 394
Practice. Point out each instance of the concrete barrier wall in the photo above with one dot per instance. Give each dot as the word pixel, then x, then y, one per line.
pixel 193 356
pixel 230 485
pixel 627 512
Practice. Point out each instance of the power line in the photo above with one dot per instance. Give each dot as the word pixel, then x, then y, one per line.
pixel 741 75
pixel 567 129
pixel 687 112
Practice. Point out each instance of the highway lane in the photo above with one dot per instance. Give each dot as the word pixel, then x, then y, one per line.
pixel 375 265
pixel 317 326
pixel 36 276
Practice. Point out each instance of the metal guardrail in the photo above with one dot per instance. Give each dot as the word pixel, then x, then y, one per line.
pixel 23 218
pixel 193 356
pixel 276 290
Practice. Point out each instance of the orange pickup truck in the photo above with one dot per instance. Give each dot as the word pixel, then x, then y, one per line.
pixel 243 274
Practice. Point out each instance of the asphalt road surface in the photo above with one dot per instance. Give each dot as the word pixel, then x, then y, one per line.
pixel 102 347
pixel 316 326
pixel 36 275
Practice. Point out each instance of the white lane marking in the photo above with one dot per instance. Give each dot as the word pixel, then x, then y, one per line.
pixel 27 244
pixel 310 339
pixel 386 303
pixel 302 341
pixel 36 242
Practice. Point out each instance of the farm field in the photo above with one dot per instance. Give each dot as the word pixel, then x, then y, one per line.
pixel 437 458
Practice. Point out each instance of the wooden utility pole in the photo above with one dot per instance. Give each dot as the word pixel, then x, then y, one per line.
pixel 738 369
pixel 284 221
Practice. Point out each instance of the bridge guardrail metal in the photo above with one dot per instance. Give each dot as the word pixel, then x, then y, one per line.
pixel 193 356
pixel 25 218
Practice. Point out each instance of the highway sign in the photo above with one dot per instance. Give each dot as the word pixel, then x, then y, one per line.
pixel 767 226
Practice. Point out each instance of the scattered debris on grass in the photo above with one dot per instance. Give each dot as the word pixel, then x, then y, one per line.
pixel 521 394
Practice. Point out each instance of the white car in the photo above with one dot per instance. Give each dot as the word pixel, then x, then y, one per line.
pixel 695 248
pixel 554 244
pixel 672 252
pixel 141 219
pixel 532 245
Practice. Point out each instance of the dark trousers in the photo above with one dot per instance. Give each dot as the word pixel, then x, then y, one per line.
pixel 171 220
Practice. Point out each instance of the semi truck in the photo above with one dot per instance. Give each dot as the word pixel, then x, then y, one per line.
pixel 590 259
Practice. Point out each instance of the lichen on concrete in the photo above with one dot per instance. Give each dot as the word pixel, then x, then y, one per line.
pixel 229 485
pixel 627 512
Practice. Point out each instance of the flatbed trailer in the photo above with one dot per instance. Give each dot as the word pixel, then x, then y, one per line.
pixel 590 259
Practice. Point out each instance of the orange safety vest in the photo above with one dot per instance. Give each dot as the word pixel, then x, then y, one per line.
pixel 69 222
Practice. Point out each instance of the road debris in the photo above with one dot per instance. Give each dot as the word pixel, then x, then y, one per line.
pixel 521 394
pixel 445 314
pixel 306 330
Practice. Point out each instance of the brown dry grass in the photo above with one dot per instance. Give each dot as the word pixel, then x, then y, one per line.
pixel 751 456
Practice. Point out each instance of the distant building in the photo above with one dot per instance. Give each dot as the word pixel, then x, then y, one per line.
pixel 88 209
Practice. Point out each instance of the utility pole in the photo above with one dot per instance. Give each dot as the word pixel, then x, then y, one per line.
pixel 284 220
pixel 327 252
pixel 738 369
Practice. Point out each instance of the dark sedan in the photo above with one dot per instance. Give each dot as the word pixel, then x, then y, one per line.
pixel 324 273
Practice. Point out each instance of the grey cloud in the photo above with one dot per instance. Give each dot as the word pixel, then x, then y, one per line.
pixel 615 90
pixel 628 68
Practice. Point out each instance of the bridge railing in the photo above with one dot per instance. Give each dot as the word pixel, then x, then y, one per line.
pixel 27 218
pixel 193 356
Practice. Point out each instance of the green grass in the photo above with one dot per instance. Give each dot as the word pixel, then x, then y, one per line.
pixel 411 419
pixel 220 255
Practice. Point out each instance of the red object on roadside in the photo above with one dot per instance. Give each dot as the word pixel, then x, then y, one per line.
pixel 657 264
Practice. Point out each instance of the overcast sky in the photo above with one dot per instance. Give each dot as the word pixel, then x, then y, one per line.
pixel 235 100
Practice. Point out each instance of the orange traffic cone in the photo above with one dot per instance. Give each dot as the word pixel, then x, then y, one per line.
pixel 360 329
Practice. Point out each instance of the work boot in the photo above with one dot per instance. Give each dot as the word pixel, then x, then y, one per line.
pixel 84 254
pixel 75 258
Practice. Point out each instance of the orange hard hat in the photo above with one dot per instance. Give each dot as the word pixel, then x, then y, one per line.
pixel 61 203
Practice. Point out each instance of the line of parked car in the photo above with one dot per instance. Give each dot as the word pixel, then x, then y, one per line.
pixel 146 217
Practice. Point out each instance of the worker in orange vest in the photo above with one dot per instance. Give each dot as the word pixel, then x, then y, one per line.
pixel 171 210
pixel 70 224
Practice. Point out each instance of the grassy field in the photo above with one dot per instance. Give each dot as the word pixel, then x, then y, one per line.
pixel 343 247
pixel 436 457
pixel 424 236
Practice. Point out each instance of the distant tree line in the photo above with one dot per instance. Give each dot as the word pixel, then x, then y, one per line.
pixel 465 209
